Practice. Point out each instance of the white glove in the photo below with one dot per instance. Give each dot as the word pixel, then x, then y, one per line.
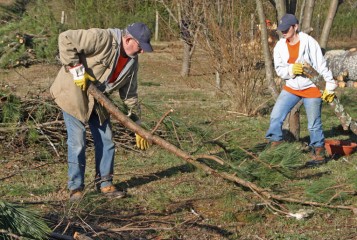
pixel 80 76
pixel 77 71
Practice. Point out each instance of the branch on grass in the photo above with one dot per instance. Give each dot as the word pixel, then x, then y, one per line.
pixel 161 120
pixel 214 158
pixel 49 140
pixel 9 234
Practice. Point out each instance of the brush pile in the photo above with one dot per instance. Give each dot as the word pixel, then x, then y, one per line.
pixel 24 122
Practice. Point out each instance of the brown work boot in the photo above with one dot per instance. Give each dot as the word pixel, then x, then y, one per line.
pixel 75 195
pixel 111 192
pixel 318 157
pixel 320 154
pixel 275 143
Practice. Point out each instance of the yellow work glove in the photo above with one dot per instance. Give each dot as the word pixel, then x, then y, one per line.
pixel 328 96
pixel 297 68
pixel 141 142
pixel 80 77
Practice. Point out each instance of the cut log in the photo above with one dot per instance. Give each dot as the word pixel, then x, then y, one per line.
pixel 349 83
pixel 342 62
pixel 341 84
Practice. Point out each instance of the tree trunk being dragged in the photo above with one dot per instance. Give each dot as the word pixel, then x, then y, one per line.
pixel 128 123
pixel 265 194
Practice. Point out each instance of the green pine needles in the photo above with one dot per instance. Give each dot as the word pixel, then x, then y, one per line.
pixel 10 111
pixel 18 221
pixel 274 165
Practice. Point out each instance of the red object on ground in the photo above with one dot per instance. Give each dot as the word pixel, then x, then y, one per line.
pixel 340 147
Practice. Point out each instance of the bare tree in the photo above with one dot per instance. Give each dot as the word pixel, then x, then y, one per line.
pixel 188 32
pixel 185 10
pixel 269 71
pixel 221 30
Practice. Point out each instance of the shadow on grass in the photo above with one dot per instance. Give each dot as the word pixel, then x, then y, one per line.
pixel 142 180
pixel 335 132
pixel 215 229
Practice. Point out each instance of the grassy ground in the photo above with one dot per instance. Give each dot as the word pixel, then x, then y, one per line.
pixel 169 198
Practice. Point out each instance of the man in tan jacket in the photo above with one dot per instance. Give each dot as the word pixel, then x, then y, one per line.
pixel 108 58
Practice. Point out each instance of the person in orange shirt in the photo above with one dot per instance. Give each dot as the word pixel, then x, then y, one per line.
pixel 290 53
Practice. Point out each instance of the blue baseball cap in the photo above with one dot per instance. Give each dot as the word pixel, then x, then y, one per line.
pixel 142 33
pixel 287 21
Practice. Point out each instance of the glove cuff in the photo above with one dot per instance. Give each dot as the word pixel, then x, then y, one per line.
pixel 330 87
pixel 77 71
pixel 291 71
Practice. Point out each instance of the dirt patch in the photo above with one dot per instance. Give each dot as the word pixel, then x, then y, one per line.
pixel 33 80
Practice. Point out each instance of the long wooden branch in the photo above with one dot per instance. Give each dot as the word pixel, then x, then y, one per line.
pixel 127 122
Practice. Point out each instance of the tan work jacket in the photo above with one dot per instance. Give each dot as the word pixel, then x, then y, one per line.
pixel 98 50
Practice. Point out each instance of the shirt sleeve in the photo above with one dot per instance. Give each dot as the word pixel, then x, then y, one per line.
pixel 129 94
pixel 319 63
pixel 282 68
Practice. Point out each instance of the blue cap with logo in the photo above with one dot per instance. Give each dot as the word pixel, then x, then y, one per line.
pixel 142 34
pixel 287 21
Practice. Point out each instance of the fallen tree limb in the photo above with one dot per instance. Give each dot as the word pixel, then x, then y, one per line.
pixel 261 192
pixel 161 120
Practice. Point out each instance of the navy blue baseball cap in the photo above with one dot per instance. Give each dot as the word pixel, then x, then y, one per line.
pixel 287 21
pixel 142 33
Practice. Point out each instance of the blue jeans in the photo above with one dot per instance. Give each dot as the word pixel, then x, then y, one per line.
pixel 285 102
pixel 104 150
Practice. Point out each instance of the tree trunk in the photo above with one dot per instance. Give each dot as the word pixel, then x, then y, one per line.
pixel 218 80
pixel 157 26
pixel 186 35
pixel 291 6
pixel 328 23
pixel 280 8
pixel 308 10
pixel 128 123
pixel 291 126
pixel 302 12
pixel 252 27
pixel 186 59
pixel 267 57
pixel 218 75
